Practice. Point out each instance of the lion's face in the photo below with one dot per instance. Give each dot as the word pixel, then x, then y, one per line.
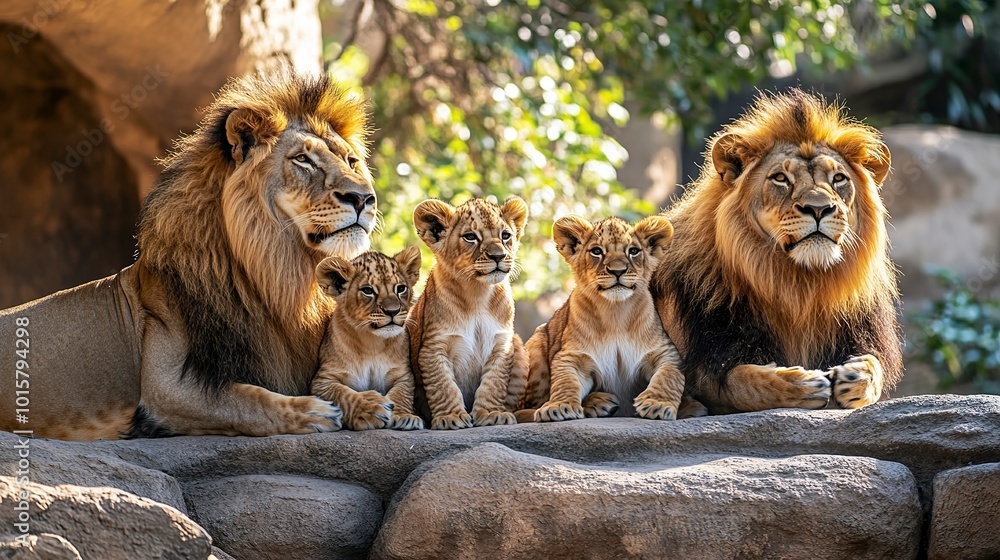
pixel 477 240
pixel 802 202
pixel 373 291
pixel 321 187
pixel 612 258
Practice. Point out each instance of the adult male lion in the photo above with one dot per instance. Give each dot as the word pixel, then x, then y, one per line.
pixel 778 282
pixel 220 316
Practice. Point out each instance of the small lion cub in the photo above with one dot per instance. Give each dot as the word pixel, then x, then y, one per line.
pixel 463 347
pixel 606 344
pixel 364 359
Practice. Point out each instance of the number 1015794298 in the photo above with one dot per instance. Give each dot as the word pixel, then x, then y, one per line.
pixel 22 346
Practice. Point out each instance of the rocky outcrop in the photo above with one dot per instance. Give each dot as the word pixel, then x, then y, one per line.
pixel 892 480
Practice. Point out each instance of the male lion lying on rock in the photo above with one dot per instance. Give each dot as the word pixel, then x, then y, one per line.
pixel 220 317
pixel 778 282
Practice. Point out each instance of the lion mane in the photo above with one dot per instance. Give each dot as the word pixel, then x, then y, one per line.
pixel 728 296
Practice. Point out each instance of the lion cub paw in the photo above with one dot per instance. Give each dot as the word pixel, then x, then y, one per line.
pixel 310 415
pixel 855 383
pixel 557 412
pixel 492 418
pixel 407 422
pixel 649 407
pixel 802 388
pixel 452 421
pixel 372 411
pixel 600 405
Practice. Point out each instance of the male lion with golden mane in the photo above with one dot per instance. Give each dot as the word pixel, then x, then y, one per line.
pixel 220 317
pixel 777 289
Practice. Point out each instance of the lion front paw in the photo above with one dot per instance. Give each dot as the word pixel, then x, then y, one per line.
pixel 857 383
pixel 372 412
pixel 649 407
pixel 492 418
pixel 311 414
pixel 691 408
pixel 407 422
pixel 557 412
pixel 600 405
pixel 801 388
pixel 452 421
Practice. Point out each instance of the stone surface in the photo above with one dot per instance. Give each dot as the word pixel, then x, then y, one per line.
pixel 281 517
pixel 44 546
pixel 493 502
pixel 966 513
pixel 104 523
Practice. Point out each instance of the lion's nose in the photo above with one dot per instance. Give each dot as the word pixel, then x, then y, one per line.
pixel 495 252
pixel 391 312
pixel 617 269
pixel 358 200
pixel 818 211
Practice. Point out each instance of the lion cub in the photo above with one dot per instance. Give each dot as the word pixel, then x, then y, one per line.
pixel 364 359
pixel 464 350
pixel 605 347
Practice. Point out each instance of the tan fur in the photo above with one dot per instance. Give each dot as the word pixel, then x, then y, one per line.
pixel 748 234
pixel 464 352
pixel 605 348
pixel 365 358
pixel 220 317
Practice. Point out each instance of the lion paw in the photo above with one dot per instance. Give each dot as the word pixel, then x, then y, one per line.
pixel 691 408
pixel 600 405
pixel 649 407
pixel 452 421
pixel 855 383
pixel 492 418
pixel 802 388
pixel 313 414
pixel 407 422
pixel 372 412
pixel 557 412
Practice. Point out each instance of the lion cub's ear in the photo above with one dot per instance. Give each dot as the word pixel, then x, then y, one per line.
pixel 570 233
pixel 244 130
pixel 655 233
pixel 730 156
pixel 515 212
pixel 333 275
pixel 409 263
pixel 432 218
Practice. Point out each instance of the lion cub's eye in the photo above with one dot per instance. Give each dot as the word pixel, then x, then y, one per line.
pixel 597 251
pixel 839 178
pixel 780 178
pixel 401 289
pixel 470 237
pixel 505 236
pixel 367 291
pixel 634 251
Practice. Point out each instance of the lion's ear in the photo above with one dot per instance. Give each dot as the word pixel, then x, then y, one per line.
pixel 569 233
pixel 333 275
pixel 409 262
pixel 878 163
pixel 244 130
pixel 655 233
pixel 515 212
pixel 432 218
pixel 730 156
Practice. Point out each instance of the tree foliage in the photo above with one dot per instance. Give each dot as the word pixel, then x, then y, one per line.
pixel 494 98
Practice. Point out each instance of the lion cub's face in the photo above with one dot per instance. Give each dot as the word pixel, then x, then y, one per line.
pixel 323 187
pixel 478 240
pixel 611 257
pixel 372 291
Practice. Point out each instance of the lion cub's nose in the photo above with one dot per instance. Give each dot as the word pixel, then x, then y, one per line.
pixel 818 211
pixel 391 312
pixel 617 269
pixel 495 252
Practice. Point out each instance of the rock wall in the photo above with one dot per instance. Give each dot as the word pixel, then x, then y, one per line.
pixel 907 478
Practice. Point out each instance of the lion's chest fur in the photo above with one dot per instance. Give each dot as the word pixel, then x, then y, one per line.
pixel 469 347
pixel 369 372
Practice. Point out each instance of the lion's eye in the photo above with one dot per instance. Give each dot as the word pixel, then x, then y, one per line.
pixel 302 158
pixel 352 160
pixel 597 251
pixel 401 289
pixel 780 178
pixel 634 251
pixel 839 178
pixel 505 236
pixel 367 291
pixel 470 237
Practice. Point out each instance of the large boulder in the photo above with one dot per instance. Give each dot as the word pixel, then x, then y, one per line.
pixel 966 513
pixel 493 502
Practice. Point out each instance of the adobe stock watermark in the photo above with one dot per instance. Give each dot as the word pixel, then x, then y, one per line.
pixel 30 26
pixel 121 108
pixel 988 270
pixel 22 402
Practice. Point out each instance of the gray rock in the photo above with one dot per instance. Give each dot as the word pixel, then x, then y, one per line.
pixel 282 517
pixel 45 546
pixel 219 554
pixel 491 501
pixel 966 513
pixel 104 523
